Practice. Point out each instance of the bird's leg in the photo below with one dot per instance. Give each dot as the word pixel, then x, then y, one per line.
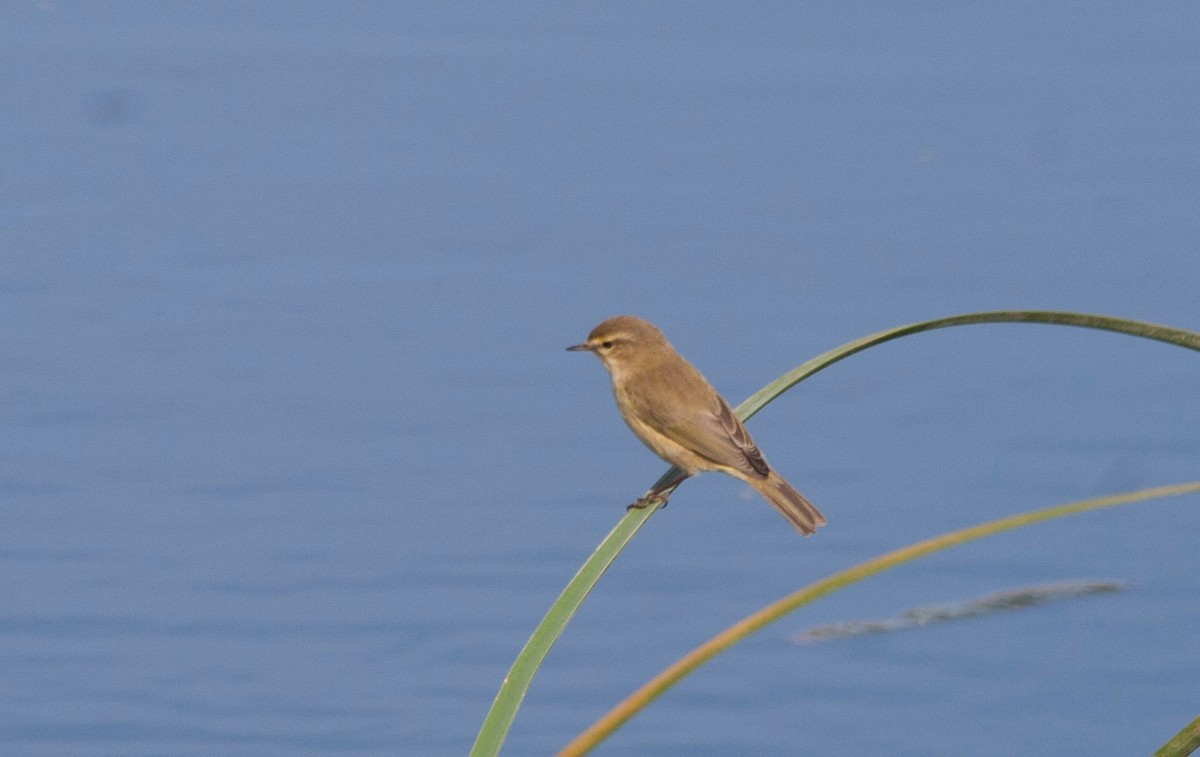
pixel 655 496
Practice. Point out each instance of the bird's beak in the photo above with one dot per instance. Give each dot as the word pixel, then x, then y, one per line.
pixel 585 347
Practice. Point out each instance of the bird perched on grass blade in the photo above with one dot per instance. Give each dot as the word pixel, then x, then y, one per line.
pixel 681 418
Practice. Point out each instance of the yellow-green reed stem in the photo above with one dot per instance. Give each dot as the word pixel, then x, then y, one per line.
pixel 654 688
pixel 1183 743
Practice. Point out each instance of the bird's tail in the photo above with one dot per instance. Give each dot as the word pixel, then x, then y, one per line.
pixel 801 513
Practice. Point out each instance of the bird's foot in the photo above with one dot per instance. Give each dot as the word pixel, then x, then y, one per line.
pixel 647 501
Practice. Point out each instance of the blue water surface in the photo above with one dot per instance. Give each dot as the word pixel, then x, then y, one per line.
pixel 293 459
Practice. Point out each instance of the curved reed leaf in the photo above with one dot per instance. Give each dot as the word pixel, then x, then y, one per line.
pixel 1158 332
pixel 516 683
pixel 655 687
pixel 1183 743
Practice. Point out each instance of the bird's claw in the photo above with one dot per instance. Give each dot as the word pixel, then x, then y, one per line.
pixel 647 501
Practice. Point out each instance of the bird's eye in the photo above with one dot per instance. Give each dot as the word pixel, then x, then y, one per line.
pixel 606 345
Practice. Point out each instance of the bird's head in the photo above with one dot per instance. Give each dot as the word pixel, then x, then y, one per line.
pixel 622 342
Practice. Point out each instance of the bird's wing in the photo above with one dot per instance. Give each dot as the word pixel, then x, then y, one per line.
pixel 718 435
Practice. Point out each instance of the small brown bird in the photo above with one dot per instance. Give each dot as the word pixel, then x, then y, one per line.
pixel 682 419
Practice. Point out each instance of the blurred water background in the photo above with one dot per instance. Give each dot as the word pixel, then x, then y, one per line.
pixel 293 459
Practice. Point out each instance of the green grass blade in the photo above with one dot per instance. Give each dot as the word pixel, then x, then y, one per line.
pixel 516 683
pixel 655 687
pixel 1158 332
pixel 512 691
